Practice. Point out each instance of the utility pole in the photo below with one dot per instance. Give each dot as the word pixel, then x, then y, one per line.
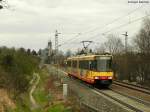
pixel 56 50
pixel 126 41
pixel 126 60
pixel 56 42
pixel 56 46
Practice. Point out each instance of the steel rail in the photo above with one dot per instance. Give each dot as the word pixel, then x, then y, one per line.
pixel 119 101
pixel 111 97
pixel 134 98
pixel 134 87
pixel 140 86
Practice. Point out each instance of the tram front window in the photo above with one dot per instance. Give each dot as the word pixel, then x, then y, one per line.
pixel 104 65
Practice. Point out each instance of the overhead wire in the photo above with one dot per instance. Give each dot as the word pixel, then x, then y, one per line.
pixel 117 19
pixel 120 26
pixel 123 25
pixel 70 39
pixel 113 21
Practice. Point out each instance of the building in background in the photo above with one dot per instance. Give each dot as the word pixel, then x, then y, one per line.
pixel 47 54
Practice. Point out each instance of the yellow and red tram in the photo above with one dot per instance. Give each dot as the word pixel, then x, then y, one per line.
pixel 94 69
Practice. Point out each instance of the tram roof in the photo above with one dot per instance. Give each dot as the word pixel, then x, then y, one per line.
pixel 87 57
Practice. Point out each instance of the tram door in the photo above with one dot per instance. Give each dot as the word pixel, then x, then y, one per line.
pixel 90 68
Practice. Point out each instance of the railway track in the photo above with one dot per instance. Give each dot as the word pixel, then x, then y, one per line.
pixel 137 93
pixel 124 100
pixel 134 87
pixel 132 103
pixel 140 86
pixel 127 101
pixel 133 97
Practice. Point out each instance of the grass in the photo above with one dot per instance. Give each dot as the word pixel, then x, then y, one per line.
pixel 42 98
pixel 22 105
pixel 40 95
pixel 57 108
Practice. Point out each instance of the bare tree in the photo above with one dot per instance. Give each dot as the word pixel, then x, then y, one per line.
pixel 100 49
pixel 1 6
pixel 114 44
pixel 4 4
pixel 142 43
pixel 142 39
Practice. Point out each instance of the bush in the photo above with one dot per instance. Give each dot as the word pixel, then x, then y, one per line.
pixel 16 69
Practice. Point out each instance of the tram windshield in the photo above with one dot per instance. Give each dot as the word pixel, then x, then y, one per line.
pixel 104 65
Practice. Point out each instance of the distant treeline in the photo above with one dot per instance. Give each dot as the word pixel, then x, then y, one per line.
pixel 16 69
pixel 134 64
pixel 133 67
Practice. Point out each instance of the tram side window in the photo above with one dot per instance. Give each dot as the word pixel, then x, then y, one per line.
pixel 69 63
pixel 81 64
pixel 74 64
pixel 84 64
pixel 93 65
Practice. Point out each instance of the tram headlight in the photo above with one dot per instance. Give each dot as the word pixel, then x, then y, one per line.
pixel 96 77
pixel 109 77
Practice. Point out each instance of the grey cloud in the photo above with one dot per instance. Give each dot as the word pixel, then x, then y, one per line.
pixel 40 18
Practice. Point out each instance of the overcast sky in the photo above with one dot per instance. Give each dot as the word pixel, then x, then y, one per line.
pixel 31 23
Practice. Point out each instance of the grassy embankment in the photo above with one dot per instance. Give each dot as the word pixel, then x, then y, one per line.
pixel 48 94
pixel 16 71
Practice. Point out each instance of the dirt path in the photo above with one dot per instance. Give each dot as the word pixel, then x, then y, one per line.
pixel 35 81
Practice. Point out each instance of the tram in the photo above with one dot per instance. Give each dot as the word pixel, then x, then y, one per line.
pixel 93 69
